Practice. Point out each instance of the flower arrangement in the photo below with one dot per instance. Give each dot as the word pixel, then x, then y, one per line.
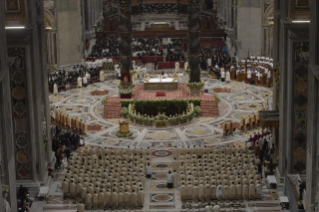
pixel 198 110
pixel 120 135
pixel 125 90
pixel 124 111
pixel 161 103
pixel 188 70
pixel 195 84
pixel 104 100
pixel 132 71
pixel 217 97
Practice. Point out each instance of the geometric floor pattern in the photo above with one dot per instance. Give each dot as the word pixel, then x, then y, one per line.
pixel 241 101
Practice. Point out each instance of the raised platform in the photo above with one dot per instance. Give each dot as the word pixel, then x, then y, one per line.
pixel 209 104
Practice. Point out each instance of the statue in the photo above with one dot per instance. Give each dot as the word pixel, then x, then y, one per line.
pixel 125 82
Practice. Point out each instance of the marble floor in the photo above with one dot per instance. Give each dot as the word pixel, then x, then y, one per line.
pixel 237 100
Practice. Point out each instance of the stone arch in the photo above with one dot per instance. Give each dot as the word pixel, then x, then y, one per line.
pixel 49 19
pixel 269 13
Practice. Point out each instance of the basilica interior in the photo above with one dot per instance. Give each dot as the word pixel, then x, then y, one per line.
pixel 159 105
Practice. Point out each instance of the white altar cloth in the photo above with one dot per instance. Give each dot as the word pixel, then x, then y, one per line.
pixel 157 80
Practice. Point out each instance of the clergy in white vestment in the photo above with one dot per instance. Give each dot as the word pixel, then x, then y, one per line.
pixel 209 63
pixel 219 192
pixel 169 179
pixel 216 208
pixel 206 87
pixel 222 74
pixel 227 76
pixel 102 76
pixel 176 66
pixel 248 76
pixel 258 190
pixel 79 82
pixel 209 208
pixel 55 89
pixel 85 81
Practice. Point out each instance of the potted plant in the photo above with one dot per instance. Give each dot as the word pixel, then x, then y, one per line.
pixel 195 88
pixel 139 120
pixel 172 121
pixel 198 110
pixel 217 97
pixel 149 121
pixel 161 117
pixel 191 115
pixel 104 100
pixel 124 112
pixel 183 119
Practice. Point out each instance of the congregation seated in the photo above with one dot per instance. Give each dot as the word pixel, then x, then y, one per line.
pixel 107 179
pixel 64 77
pixel 211 58
pixel 147 47
pixel 259 66
pixel 206 174
pixel 23 200
pixel 107 47
pixel 175 51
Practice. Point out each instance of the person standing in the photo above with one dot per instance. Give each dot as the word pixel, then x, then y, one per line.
pixel 169 179
pixel 222 74
pixel 148 170
pixel 228 76
pixel 67 153
pixel 155 64
pixel 248 76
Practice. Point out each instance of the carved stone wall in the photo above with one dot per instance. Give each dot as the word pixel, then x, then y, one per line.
pixel 20 117
pixel 299 10
pixel 300 92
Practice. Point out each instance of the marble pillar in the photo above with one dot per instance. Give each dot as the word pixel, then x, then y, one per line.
pixel 312 109
pixel 193 40
pixel 125 29
pixel 7 157
pixel 30 104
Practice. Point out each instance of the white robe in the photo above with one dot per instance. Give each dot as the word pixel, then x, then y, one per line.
pixel 208 208
pixel 55 89
pixel 249 74
pixel 79 82
pixel 102 76
pixel 216 208
pixel 258 190
pixel 219 191
pixel 169 178
pixel 176 66
pixel 222 74
pixel 227 76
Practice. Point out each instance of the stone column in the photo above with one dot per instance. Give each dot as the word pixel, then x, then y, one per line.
pixel 30 105
pixel 193 40
pixel 7 156
pixel 45 103
pixel 312 108
pixel 125 29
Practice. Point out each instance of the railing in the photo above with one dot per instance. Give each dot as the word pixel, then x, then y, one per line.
pixel 293 203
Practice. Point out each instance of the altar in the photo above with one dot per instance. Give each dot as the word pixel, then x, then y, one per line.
pixel 153 84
